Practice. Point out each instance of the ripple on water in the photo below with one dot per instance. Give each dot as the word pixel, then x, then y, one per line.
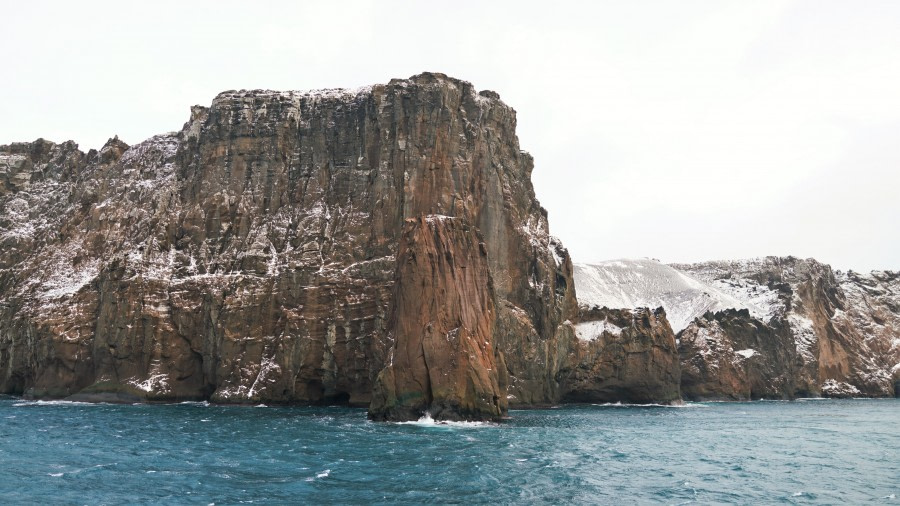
pixel 825 451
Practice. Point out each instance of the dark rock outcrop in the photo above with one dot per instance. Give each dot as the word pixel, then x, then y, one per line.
pixel 731 355
pixel 251 256
pixel 443 361
pixel 825 334
pixel 774 328
pixel 872 316
pixel 623 355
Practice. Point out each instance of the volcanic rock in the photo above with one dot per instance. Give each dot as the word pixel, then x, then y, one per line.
pixel 623 355
pixel 443 362
pixel 252 255
pixel 773 327
pixel 826 334
pixel 731 355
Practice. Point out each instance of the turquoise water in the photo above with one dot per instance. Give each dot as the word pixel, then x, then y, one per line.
pixel 816 451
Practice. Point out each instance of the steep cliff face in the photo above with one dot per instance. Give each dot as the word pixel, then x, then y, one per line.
pixel 818 340
pixel 765 328
pixel 873 315
pixel 732 355
pixel 443 360
pixel 251 256
pixel 623 355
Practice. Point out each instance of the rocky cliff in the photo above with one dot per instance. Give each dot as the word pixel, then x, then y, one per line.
pixel 829 335
pixel 623 355
pixel 253 256
pixel 775 328
pixel 443 360
pixel 734 356
pixel 383 247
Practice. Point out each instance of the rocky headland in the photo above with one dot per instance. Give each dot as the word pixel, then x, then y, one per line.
pixel 768 328
pixel 272 250
pixel 382 247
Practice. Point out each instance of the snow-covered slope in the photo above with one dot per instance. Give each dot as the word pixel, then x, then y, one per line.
pixel 631 283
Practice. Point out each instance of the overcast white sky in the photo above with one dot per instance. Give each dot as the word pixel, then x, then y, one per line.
pixel 683 131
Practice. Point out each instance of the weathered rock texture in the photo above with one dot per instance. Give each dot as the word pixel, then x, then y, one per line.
pixel 774 328
pixel 732 355
pixel 251 256
pixel 623 355
pixel 443 360
pixel 826 334
pixel 872 315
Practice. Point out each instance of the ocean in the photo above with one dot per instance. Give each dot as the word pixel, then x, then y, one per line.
pixel 800 452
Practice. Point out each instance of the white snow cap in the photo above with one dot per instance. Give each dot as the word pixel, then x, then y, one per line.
pixel 631 283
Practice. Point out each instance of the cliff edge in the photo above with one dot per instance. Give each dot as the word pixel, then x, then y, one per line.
pixel 253 255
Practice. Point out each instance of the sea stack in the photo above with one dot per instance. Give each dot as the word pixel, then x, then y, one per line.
pixel 443 362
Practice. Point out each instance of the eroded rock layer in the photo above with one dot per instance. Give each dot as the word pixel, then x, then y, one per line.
pixel 732 355
pixel 775 328
pixel 827 334
pixel 443 361
pixel 624 355
pixel 251 256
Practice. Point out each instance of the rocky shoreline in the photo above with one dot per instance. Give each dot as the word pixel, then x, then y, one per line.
pixel 379 247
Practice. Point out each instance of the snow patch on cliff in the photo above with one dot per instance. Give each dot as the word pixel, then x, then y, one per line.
pixel 155 383
pixel 834 388
pixel 630 283
pixel 735 278
pixel 68 280
pixel 590 331
pixel 804 335
pixel 749 352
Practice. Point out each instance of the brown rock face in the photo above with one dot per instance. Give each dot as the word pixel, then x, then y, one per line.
pixel 827 335
pixel 872 317
pixel 733 356
pixel 624 355
pixel 443 360
pixel 251 256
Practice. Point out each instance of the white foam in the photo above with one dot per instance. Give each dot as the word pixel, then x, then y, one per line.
pixel 428 421
pixel 653 405
pixel 194 403
pixel 56 403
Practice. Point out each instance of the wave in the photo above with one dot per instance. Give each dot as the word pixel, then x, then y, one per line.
pixel 652 405
pixel 58 403
pixel 319 476
pixel 428 421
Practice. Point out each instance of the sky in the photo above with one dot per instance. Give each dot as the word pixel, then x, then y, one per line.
pixel 682 131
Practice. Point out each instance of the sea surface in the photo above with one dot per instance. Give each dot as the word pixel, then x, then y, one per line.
pixel 801 452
